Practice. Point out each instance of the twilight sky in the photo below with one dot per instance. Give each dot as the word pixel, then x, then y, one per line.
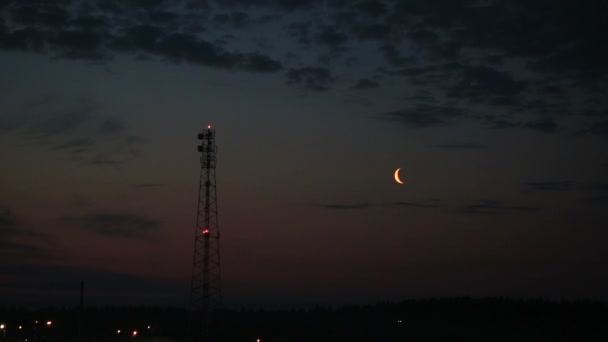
pixel 495 111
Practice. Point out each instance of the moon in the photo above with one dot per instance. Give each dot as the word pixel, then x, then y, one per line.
pixel 397 176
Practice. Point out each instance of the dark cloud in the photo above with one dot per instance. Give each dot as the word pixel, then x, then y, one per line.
pixel 90 23
pixel 138 37
pixel 115 225
pixel 413 204
pixel 148 185
pixel 331 37
pixel 425 115
pixel 548 186
pixel 165 18
pixel 18 240
pixel 384 205
pixel 463 49
pixel 73 125
pixel 235 19
pixel 372 8
pixel 598 128
pixel 365 83
pixel 48 15
pixel 372 31
pixel 496 207
pixel 318 79
pixel 466 146
pixel 545 125
pixel 393 56
pixel 8 222
pixel 300 32
pixel 65 122
pixel 181 47
pixel 20 249
pixel 76 145
pixel 598 194
pixel 482 83
pixel 599 187
pixel 596 200
pixel 88 37
pixel 79 45
pixel 104 160
pixel 111 125
pixel 348 206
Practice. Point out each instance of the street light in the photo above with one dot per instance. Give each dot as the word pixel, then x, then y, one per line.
pixel 3 328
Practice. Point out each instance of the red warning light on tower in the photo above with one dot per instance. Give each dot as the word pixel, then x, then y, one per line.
pixel 206 231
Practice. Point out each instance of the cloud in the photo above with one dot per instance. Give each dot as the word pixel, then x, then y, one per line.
pixel 424 115
pixel 300 32
pixel 183 47
pixel 502 124
pixel 8 222
pixel 599 194
pixel 546 125
pixel 111 125
pixel 75 126
pixel 413 204
pixel 317 79
pixel 458 49
pixel 598 128
pixel 92 38
pixel 596 200
pixel 482 83
pixel 372 8
pixel 148 185
pixel 599 187
pixel 236 19
pixel 393 56
pixel 383 205
pixel 365 83
pixel 348 206
pixel 550 186
pixel 466 146
pixel 77 145
pixel 496 207
pixel 17 240
pixel 115 225
pixel 331 37
pixel 20 249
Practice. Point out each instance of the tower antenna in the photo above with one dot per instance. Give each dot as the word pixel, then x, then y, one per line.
pixel 206 289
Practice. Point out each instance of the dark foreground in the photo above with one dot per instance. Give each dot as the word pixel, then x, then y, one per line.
pixel 460 319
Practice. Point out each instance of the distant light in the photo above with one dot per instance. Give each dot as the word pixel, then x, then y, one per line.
pixel 118 331
pixel 134 333
pixel 209 127
pixel 399 321
pixel 258 340
pixel 206 231
pixel 2 326
pixel 49 323
pixel 20 327
pixel 36 322
pixel 148 327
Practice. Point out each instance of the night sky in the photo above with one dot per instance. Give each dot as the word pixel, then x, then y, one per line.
pixel 496 112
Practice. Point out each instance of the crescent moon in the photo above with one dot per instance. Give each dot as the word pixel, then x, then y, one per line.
pixel 397 176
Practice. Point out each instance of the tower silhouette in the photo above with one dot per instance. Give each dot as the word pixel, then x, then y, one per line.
pixel 206 289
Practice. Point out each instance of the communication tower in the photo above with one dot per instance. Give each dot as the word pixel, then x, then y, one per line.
pixel 206 289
